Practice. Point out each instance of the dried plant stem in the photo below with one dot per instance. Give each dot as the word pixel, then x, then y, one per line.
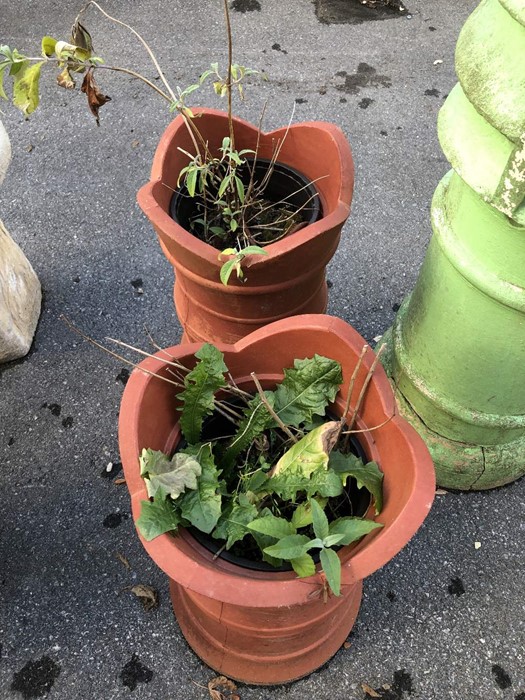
pixel 114 354
pixel 274 415
pixel 352 383
pixel 369 430
pixel 362 393
pixel 139 37
pixel 368 378
pixel 229 81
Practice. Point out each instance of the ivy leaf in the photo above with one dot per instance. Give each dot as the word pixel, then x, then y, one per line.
pixel 25 87
pixel 272 526
pixel 289 547
pixel 157 518
pixel 352 529
pixel 319 520
pixel 201 383
pixel 307 389
pixel 202 507
pixel 173 475
pixel 332 569
pixel 303 565
pixel 368 476
pixel 95 98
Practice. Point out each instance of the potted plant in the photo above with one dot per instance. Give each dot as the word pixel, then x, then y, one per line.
pixel 277 484
pixel 223 197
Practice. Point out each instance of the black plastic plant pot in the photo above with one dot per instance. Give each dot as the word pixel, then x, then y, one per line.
pixel 359 498
pixel 284 184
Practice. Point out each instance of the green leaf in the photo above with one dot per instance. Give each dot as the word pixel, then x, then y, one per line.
pixel 201 383
pixel 157 518
pixel 3 67
pixel 191 181
pixel 352 529
pixel 319 520
pixel 289 547
pixel 303 565
pixel 253 250
pixel 226 270
pixel 234 226
pixel 311 452
pixel 332 569
pixel 368 476
pixel 48 46
pixel 272 526
pixel 256 481
pixel 290 482
pixel 202 507
pixel 25 87
pixel 307 389
pixel 173 475
pixel 234 526
pixel 255 421
pixel 223 186
pixel 332 540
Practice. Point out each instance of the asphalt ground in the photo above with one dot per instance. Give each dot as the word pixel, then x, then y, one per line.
pixel 445 619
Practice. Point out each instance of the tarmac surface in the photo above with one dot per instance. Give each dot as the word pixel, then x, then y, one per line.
pixel 445 619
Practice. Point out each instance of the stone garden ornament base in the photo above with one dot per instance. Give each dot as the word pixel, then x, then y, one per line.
pixel 20 294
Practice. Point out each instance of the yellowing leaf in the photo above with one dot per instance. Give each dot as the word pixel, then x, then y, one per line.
pixel 311 452
pixel 48 46
pixel 25 87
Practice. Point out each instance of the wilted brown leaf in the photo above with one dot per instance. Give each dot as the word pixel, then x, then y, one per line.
pixel 370 691
pixel 148 596
pixel 123 559
pixel 346 645
pixel 81 37
pixel 227 687
pixel 118 482
pixel 441 492
pixel 135 143
pixel 65 80
pixel 95 98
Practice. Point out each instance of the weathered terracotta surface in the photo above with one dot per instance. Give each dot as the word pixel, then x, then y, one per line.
pixel 271 627
pixel 291 278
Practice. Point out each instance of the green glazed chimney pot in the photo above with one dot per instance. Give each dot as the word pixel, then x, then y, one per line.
pixel 456 351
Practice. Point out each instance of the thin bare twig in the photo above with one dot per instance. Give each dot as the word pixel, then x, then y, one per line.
pixel 139 37
pixel 352 383
pixel 365 386
pixel 274 415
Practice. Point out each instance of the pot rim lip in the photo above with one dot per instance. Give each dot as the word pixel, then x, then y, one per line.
pixel 183 559
pixel 147 200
